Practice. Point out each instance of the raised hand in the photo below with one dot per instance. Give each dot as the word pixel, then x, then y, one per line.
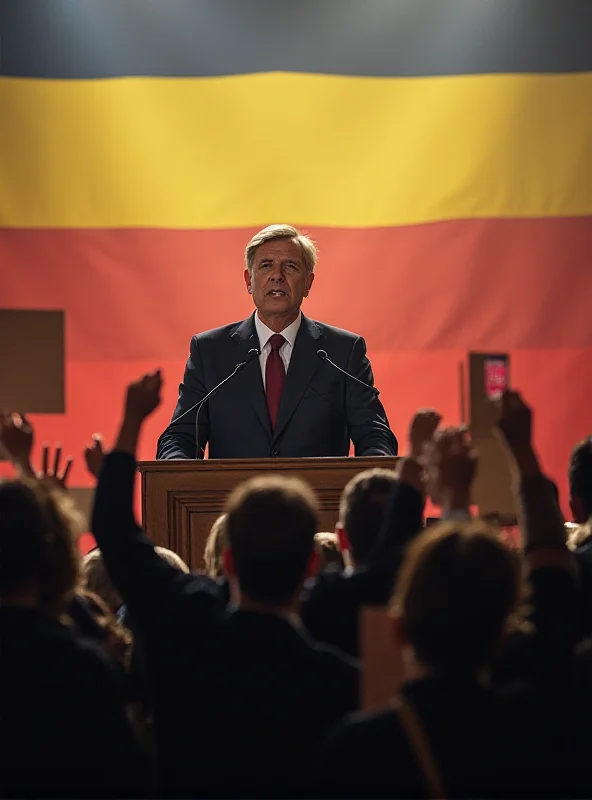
pixel 143 397
pixel 422 429
pixel 410 471
pixel 454 458
pixel 451 467
pixel 94 455
pixel 56 475
pixel 16 439
pixel 513 420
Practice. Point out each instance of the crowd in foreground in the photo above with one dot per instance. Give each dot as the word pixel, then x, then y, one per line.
pixel 128 675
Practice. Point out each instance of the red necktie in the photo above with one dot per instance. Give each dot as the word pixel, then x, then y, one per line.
pixel 275 376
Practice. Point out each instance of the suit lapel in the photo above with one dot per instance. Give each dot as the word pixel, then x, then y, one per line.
pixel 303 364
pixel 249 379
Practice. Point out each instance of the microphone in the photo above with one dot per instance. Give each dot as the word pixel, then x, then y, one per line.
pixel 322 354
pixel 253 353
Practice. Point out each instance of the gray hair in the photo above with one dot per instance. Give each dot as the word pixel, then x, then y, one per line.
pixel 307 246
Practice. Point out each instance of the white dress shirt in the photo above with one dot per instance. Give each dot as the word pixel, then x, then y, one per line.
pixel 264 333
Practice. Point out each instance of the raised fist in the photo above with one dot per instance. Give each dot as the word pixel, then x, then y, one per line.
pixel 422 429
pixel 452 462
pixel 143 397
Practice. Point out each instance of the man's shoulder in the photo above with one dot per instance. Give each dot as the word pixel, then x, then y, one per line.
pixel 60 649
pixel 223 332
pixel 331 332
pixel 338 588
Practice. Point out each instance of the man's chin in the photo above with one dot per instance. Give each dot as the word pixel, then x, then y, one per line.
pixel 276 304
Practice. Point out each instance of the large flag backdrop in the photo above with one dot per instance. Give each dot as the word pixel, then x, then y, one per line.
pixel 439 152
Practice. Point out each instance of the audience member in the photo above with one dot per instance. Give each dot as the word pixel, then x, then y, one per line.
pixel 64 728
pixel 580 483
pixel 240 697
pixel 444 736
pixel 139 683
pixel 236 698
pixel 215 545
pixel 329 550
pixel 97 580
pixel 361 513
pixel 451 465
pixel 580 540
pixel 374 541
pixel 456 730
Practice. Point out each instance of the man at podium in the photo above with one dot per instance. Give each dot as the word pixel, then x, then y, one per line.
pixel 277 383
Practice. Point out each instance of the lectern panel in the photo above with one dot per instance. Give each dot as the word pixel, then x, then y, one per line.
pixel 182 499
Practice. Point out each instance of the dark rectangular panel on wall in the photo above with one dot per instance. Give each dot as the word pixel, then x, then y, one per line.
pixel 32 361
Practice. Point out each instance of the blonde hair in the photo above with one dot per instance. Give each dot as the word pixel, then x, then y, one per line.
pixel 97 580
pixel 271 232
pixel 215 547
pixel 577 535
pixel 172 558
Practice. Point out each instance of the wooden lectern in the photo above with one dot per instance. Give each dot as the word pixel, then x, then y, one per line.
pixel 182 499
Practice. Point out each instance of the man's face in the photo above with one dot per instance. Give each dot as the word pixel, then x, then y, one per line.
pixel 279 279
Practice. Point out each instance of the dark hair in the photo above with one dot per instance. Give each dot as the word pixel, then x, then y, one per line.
pixel 94 619
pixel 362 508
pixel 580 474
pixel 23 528
pixel 270 527
pixel 457 588
pixel 38 541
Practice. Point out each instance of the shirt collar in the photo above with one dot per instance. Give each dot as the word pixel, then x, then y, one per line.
pixel 264 333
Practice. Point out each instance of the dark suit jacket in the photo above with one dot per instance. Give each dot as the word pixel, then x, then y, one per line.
pixel 520 742
pixel 331 601
pixel 464 726
pixel 320 410
pixel 241 699
pixel 583 556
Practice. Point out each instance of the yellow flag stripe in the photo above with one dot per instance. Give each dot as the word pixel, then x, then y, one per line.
pixel 310 149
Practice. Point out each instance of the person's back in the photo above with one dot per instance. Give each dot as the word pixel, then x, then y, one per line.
pixel 64 729
pixel 456 589
pixel 61 704
pixel 373 540
pixel 251 691
pixel 240 697
pixel 332 600
pixel 271 694
pixel 371 754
